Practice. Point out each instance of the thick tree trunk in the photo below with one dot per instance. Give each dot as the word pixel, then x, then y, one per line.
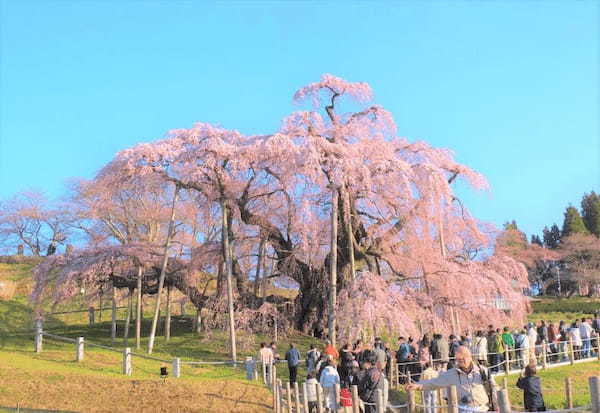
pixel 259 262
pixel 161 279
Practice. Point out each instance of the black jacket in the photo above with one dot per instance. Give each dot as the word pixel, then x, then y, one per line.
pixel 532 396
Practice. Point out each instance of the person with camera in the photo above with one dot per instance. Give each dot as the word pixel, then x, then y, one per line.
pixel 532 389
pixel 474 384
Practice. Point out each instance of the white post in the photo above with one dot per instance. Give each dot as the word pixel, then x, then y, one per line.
pixel 127 361
pixel 503 401
pixel 176 367
pixel 453 400
pixel 79 349
pixel 379 401
pixel 39 338
pixel 305 396
pixel 594 383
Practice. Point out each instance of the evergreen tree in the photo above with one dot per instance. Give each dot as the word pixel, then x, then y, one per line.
pixel 590 211
pixel 535 239
pixel 573 223
pixel 511 225
pixel 551 237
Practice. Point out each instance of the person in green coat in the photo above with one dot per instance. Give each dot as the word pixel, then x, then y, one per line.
pixel 509 343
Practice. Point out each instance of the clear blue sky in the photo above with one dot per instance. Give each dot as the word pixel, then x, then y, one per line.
pixel 511 87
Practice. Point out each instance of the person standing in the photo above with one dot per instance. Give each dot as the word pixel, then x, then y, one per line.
pixel 293 359
pixel 480 348
pixel 585 331
pixel 509 344
pixel 474 384
pixel 265 356
pixel 331 351
pixel 312 357
pixel 532 390
pixel 440 352
pixel 329 378
pixel 370 380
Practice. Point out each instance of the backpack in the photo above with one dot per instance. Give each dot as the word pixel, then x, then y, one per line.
pixel 368 384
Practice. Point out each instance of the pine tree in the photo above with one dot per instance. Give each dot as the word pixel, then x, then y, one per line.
pixel 535 239
pixel 551 237
pixel 573 223
pixel 590 211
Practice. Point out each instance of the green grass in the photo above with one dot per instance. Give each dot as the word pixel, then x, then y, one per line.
pixel 56 369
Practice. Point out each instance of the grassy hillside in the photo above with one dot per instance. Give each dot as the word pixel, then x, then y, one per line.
pixel 54 380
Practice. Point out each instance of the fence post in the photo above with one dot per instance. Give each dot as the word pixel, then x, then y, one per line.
pixel 39 338
pixel 279 396
pixel 452 400
pixel 319 398
pixel 569 392
pixel 503 401
pixel 264 372
pixel 594 382
pixel 411 402
pixel 544 355
pixel 91 315
pixel 127 361
pixel 288 396
pixel 355 399
pixel 571 352
pixel 305 396
pixel 297 396
pixel 379 401
pixel 176 367
pixel 79 349
pixel 507 361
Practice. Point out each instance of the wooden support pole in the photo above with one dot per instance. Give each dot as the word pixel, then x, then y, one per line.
pixel 91 315
pixel 331 322
pixel 506 360
pixel 128 318
pixel 168 316
pixel 452 400
pixel 113 317
pixel 503 401
pixel 138 309
pixel 79 350
pixel 569 392
pixel 571 351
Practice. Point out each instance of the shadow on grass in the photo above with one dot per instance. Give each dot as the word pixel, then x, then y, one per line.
pixel 25 410
pixel 237 402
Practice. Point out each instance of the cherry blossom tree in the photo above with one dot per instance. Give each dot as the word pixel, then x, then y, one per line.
pixel 28 218
pixel 404 239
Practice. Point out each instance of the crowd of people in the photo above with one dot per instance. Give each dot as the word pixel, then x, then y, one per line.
pixel 466 361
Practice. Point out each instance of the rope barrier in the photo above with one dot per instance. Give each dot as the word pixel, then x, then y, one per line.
pixel 59 338
pixel 143 356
